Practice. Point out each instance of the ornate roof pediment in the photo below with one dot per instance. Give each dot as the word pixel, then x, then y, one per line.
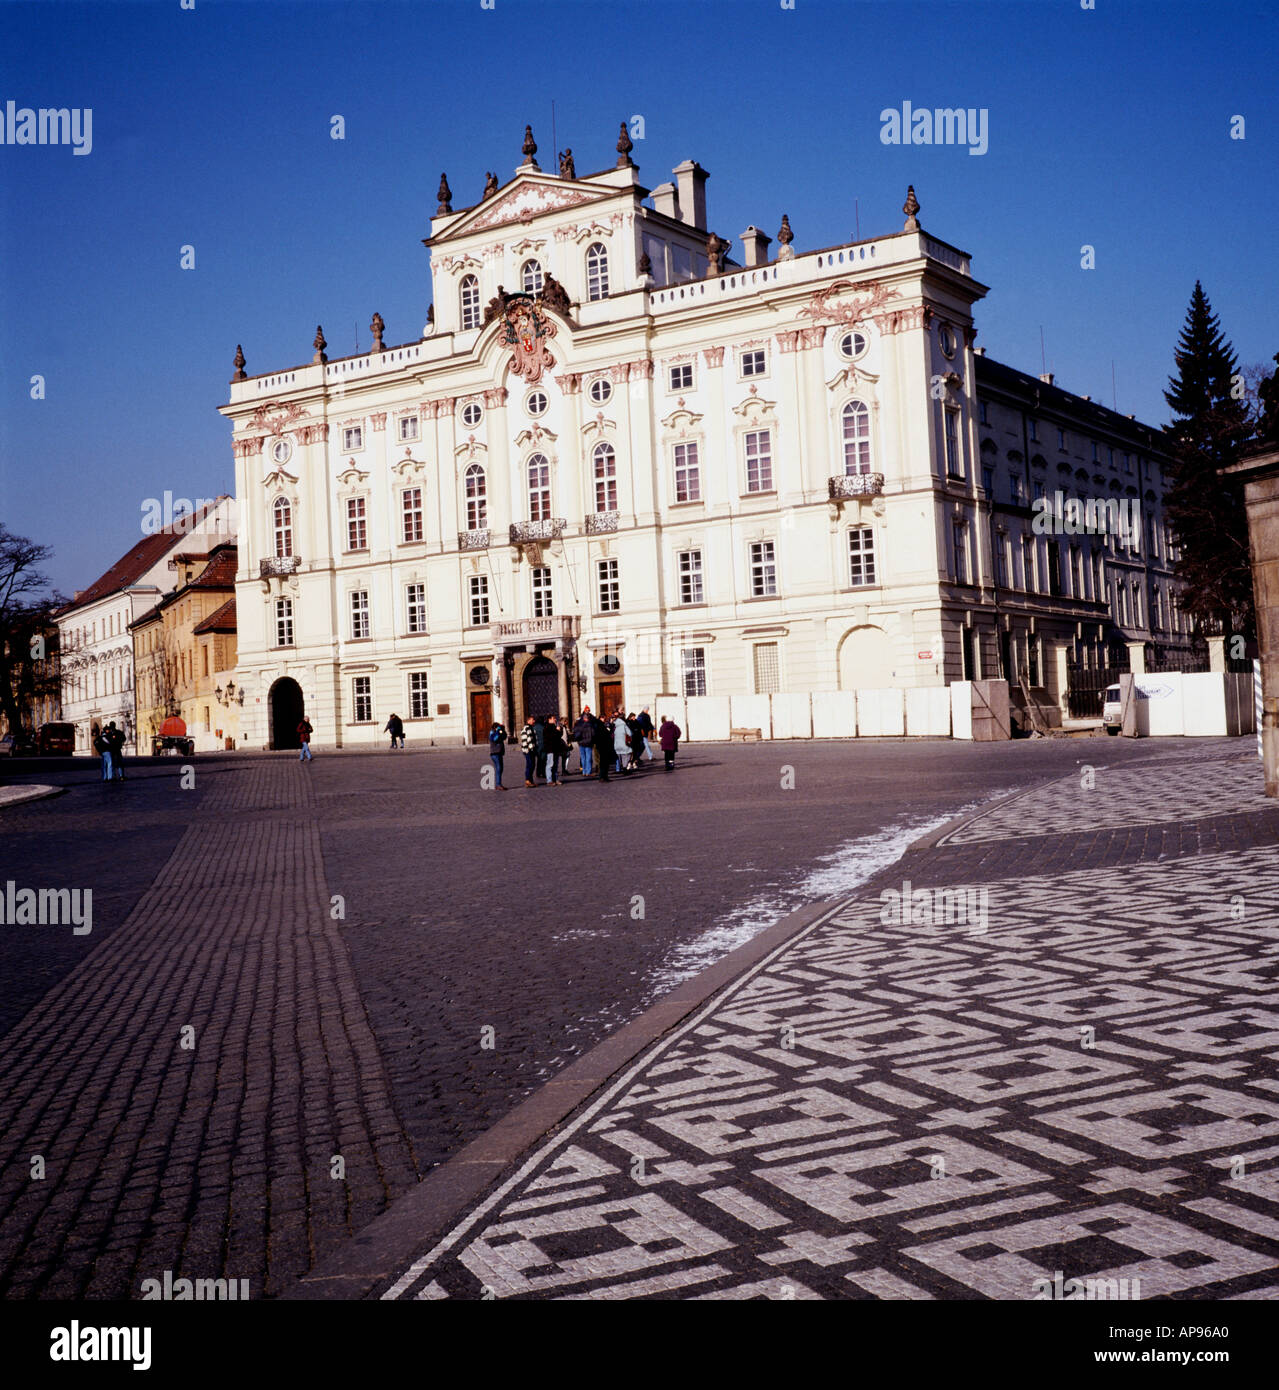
pixel 529 196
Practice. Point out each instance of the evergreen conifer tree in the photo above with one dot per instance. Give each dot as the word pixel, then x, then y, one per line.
pixel 1208 432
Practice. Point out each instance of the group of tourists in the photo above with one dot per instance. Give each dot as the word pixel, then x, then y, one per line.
pixel 619 744
pixel 109 743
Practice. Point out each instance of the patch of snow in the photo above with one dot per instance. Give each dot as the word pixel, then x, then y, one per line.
pixel 831 877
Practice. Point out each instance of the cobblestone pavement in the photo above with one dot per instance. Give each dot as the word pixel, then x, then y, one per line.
pixel 335 1051
pixel 1077 1075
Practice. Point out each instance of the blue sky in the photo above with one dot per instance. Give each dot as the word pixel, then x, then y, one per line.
pixel 211 127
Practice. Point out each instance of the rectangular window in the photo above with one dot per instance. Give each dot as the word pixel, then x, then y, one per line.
pixel 690 576
pixel 1014 485
pixel 759 461
pixel 1001 561
pixel 478 587
pixel 608 587
pixel 1028 563
pixel 681 377
pixel 408 428
pixel 419 699
pixel 767 669
pixel 412 511
pixel 861 556
pixel 1039 491
pixel 988 481
pixel 352 438
pixel 205 649
pixel 984 413
pixel 284 622
pixel 1076 573
pixel 359 614
pixel 1033 429
pixel 1098 581
pixel 688 476
pixel 693 664
pixel 1127 463
pixel 542 591
pixel 415 607
pixel 357 534
pixel 953 468
pixel 362 698
pixel 959 535
pixel 763 569
pixel 754 363
pixel 1061 439
pixel 1094 451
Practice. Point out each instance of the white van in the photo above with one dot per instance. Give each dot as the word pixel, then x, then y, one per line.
pixel 1110 716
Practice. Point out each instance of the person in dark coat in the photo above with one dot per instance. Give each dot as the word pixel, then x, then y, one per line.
pixel 304 740
pixel 669 736
pixel 102 746
pixel 584 736
pixel 528 746
pixel 556 750
pixel 115 737
pixel 602 742
pixel 497 752
pixel 395 727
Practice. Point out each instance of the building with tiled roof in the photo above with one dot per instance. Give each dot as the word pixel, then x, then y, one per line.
pixel 97 651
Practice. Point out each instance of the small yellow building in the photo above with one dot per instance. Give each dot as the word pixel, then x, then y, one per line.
pixel 185 653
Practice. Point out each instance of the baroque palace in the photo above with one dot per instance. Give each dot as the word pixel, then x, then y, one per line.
pixel 619 465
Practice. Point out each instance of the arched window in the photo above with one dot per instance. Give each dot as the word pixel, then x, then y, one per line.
pixel 856 438
pixel 282 524
pixel 539 488
pixel 605 478
pixel 477 507
pixel 596 272
pixel 531 277
pixel 470 292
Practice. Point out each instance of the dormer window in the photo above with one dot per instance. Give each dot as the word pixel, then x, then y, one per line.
pixel 531 277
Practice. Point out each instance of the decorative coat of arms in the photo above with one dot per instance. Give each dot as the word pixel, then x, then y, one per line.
pixel 526 330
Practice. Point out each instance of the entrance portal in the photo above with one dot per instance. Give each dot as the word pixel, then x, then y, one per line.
pixel 285 700
pixel 481 715
pixel 610 700
pixel 541 687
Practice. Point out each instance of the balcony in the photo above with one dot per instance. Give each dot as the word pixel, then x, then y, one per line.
pixel 564 628
pixel 277 566
pixel 597 523
pixel 473 540
pixel 537 532
pixel 855 485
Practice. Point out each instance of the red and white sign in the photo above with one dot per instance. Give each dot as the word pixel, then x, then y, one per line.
pixel 924 656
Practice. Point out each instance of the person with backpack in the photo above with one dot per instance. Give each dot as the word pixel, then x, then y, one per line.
pixel 395 727
pixel 669 736
pixel 115 739
pixel 102 747
pixel 304 732
pixel 583 736
pixel 497 753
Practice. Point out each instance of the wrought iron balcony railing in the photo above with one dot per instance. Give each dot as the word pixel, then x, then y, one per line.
pixel 277 565
pixel 599 522
pixel 522 532
pixel 856 485
pixel 473 540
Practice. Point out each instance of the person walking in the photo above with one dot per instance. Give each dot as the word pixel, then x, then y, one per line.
pixel 637 741
pixel 669 736
pixel 583 736
pixel 602 742
pixel 497 753
pixel 115 737
pixel 556 751
pixel 395 727
pixel 304 740
pixel 102 747
pixel 621 743
pixel 528 746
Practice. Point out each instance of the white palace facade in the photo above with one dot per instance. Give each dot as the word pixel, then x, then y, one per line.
pixel 619 465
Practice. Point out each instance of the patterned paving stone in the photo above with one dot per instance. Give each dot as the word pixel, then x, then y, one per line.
pixel 1082 1085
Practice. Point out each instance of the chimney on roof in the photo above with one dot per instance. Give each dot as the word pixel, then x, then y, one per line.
pixel 691 178
pixel 1046 378
pixel 1086 398
pixel 665 200
pixel 981 351
pixel 754 245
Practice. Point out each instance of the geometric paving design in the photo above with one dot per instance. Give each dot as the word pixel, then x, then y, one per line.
pixel 1089 1086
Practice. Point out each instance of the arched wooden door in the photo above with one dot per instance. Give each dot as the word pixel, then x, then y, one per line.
pixel 541 687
